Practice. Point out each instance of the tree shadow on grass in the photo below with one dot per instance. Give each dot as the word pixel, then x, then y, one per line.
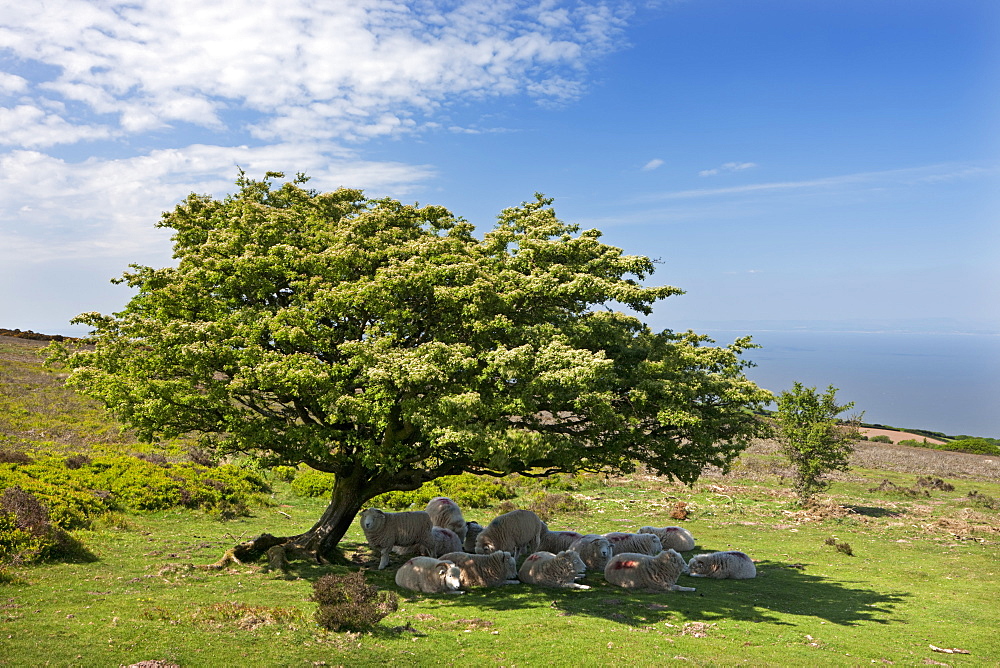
pixel 779 591
pixel 874 511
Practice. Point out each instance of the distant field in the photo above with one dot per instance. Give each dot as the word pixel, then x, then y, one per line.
pixel 898 436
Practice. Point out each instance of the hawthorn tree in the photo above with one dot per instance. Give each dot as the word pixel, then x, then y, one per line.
pixel 386 344
pixel 813 438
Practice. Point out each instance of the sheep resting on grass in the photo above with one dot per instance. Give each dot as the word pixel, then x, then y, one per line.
pixel 445 513
pixel 484 570
pixel 472 531
pixel 553 570
pixel 430 576
pixel 594 549
pixel 634 570
pixel 383 531
pixel 557 541
pixel 672 538
pixel 644 543
pixel 731 564
pixel 518 532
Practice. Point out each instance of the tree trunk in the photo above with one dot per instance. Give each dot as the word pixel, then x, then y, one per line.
pixel 349 495
pixel 319 543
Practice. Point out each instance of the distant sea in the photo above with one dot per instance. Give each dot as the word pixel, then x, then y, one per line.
pixel 941 382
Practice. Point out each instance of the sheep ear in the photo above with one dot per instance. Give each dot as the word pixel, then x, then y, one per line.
pixel 443 567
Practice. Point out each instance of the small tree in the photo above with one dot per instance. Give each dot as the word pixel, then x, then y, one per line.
pixel 813 438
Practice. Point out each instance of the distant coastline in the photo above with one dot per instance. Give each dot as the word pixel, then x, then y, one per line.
pixel 941 380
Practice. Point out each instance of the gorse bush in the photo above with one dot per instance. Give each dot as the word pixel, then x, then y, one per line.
pixel 348 602
pixel 467 490
pixel 77 490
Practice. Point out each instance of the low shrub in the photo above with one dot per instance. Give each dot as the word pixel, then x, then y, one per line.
pixel 467 490
pixel 348 602
pixel 880 438
pixel 77 494
pixel 841 546
pixel 311 483
pixel 984 500
pixel 547 505
pixel 26 533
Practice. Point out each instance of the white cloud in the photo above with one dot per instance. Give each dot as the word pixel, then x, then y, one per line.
pixel 727 167
pixel 296 80
pixel 359 69
pixel 11 83
pixel 901 177
pixel 652 164
pixel 30 127
pixel 52 209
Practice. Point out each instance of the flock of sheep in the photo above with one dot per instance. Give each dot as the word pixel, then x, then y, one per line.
pixel 455 554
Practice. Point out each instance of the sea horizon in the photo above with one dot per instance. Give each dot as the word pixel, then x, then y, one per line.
pixel 934 374
pixel 943 381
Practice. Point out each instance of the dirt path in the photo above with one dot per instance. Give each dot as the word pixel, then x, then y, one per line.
pixel 898 436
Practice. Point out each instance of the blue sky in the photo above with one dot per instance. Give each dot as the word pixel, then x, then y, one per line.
pixel 830 164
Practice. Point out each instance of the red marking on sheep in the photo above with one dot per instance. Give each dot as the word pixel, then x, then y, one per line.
pixel 534 557
pixel 625 564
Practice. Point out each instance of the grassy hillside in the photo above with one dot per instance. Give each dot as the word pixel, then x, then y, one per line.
pixel 899 556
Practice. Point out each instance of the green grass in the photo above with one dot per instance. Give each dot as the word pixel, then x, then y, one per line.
pixel 924 572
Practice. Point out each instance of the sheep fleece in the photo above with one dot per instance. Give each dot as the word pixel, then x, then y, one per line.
pixel 594 549
pixel 675 538
pixel 383 531
pixel 429 575
pixel 517 532
pixel 633 570
pixel 732 564
pixel 445 513
pixel 484 570
pixel 552 570
pixel 644 543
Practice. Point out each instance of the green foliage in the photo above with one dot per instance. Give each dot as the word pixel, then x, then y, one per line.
pixel 314 484
pixel 347 602
pixel 77 493
pixel 389 345
pixel 26 534
pixel 971 444
pixel 812 437
pixel 978 446
pixel 880 438
pixel 547 505
pixel 467 490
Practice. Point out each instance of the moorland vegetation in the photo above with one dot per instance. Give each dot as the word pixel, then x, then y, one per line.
pixel 894 563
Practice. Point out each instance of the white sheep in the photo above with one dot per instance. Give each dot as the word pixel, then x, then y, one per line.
pixel 518 532
pixel 557 541
pixel 430 576
pixel 484 570
pixel 676 538
pixel 443 541
pixel 383 531
pixel 472 531
pixel 445 513
pixel 634 570
pixel 644 543
pixel 553 570
pixel 731 564
pixel 594 549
